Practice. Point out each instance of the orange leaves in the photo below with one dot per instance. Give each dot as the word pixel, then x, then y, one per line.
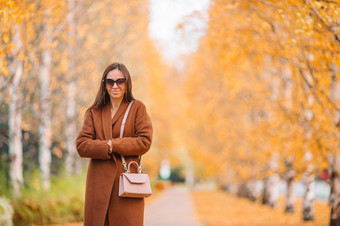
pixel 220 208
pixel 104 32
pixel 255 71
pixel 5 37
pixel 3 69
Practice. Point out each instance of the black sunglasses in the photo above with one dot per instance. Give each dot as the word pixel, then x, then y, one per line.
pixel 110 82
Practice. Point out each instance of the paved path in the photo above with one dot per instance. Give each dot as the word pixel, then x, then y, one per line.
pixel 173 207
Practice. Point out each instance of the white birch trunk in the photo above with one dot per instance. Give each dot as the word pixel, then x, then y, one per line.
pixel 289 177
pixel 71 90
pixel 70 129
pixel 78 165
pixel 249 189
pixel 45 133
pixel 273 190
pixel 15 135
pixel 309 195
pixel 309 176
pixel 189 166
pixel 45 118
pixel 335 159
pixel 254 189
pixel 290 171
pixel 189 173
pixel 271 184
pixel 15 142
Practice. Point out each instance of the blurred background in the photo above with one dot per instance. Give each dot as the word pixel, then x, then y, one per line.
pixel 244 96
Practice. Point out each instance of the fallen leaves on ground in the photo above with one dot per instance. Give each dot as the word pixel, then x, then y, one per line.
pixel 220 208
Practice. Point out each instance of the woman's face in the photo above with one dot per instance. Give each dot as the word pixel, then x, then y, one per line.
pixel 115 84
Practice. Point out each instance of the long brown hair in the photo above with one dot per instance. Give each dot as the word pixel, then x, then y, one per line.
pixel 103 97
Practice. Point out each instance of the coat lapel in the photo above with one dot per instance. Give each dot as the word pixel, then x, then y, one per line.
pixel 120 111
pixel 106 118
pixel 106 121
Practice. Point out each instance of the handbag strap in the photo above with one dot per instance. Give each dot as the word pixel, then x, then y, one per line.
pixel 124 120
pixel 126 168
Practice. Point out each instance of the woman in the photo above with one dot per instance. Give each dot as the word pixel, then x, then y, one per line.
pixel 99 140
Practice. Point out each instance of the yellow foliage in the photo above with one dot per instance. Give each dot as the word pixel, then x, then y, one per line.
pixel 219 208
pixel 243 96
pixel 250 84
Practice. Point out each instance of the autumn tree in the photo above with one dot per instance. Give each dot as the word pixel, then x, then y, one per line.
pixel 264 72
pixel 64 48
pixel 14 17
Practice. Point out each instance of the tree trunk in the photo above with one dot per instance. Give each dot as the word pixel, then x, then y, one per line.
pixel 45 118
pixel 271 184
pixel 189 174
pixel 70 129
pixel 290 171
pixel 15 134
pixel 78 165
pixel 71 90
pixel 309 196
pixel 309 175
pixel 249 190
pixel 271 191
pixel 265 196
pixel 290 196
pixel 335 159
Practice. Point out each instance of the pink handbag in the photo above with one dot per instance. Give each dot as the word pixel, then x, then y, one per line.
pixel 133 185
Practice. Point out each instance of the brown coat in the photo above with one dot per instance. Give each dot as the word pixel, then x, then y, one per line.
pixel 102 203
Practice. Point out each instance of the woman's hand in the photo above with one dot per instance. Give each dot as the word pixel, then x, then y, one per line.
pixel 109 143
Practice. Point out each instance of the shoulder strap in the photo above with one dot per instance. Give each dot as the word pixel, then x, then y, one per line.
pixel 122 132
pixel 124 120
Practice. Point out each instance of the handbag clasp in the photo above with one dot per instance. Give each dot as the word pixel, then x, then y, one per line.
pixel 127 169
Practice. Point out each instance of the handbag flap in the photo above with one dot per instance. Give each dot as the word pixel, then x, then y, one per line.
pixel 136 178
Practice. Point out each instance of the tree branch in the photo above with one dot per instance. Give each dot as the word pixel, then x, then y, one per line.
pixel 268 3
pixel 318 15
pixel 312 88
pixel 328 1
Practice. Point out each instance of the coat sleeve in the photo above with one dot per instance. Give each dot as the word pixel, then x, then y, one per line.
pixel 141 142
pixel 87 145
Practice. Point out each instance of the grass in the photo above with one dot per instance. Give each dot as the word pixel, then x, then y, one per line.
pixel 158 187
pixel 63 203
pixel 220 208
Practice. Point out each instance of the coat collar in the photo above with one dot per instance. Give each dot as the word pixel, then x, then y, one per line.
pixel 106 118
